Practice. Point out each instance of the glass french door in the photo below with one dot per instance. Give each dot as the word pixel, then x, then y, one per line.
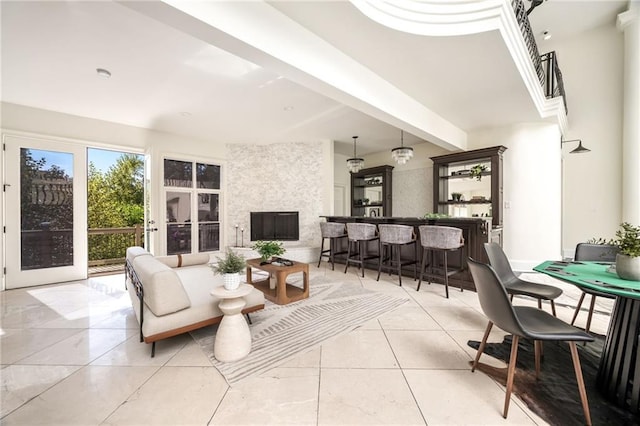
pixel 46 220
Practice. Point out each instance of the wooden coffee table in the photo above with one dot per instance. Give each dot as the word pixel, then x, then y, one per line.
pixel 283 293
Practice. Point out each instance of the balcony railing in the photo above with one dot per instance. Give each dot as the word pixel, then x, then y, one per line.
pixel 546 65
pixel 107 247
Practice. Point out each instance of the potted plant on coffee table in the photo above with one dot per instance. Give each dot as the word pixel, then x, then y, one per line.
pixel 628 258
pixel 230 267
pixel 268 249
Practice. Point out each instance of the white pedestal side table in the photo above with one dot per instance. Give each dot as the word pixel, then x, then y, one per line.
pixel 233 339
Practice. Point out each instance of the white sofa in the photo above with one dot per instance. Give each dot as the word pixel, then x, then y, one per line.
pixel 171 294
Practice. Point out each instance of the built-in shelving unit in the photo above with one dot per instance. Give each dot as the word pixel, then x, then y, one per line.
pixel 458 192
pixel 371 192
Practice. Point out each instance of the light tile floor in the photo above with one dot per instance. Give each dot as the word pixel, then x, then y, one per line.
pixel 70 355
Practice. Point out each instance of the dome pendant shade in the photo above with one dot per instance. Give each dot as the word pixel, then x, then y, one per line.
pixel 402 154
pixel 579 150
pixel 355 164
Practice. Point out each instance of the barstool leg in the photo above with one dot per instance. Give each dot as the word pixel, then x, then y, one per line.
pixel 361 249
pixel 346 263
pixel 446 275
pixel 380 253
pixel 321 250
pixel 422 265
pixel 399 260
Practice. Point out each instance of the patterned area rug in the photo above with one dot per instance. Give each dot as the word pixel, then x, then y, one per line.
pixel 282 332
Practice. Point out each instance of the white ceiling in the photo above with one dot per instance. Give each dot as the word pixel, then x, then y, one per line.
pixel 167 80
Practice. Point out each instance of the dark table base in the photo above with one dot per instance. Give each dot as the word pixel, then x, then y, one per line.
pixel 619 372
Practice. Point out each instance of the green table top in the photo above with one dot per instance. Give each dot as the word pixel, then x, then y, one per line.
pixel 591 275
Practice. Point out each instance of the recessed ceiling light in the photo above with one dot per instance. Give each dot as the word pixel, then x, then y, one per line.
pixel 546 35
pixel 288 108
pixel 103 72
pixel 185 114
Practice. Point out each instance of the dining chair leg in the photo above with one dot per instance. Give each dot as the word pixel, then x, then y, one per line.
pixel 511 297
pixel 553 308
pixel 482 345
pixel 575 314
pixel 510 373
pixel 536 345
pixel 539 303
pixel 580 380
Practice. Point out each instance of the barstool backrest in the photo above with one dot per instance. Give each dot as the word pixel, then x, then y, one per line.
pixel 396 234
pixel 361 231
pixel 332 229
pixel 441 237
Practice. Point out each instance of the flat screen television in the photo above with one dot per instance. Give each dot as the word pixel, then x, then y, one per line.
pixel 282 226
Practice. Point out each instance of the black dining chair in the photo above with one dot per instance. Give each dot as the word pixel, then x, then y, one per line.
pixel 523 321
pixel 515 285
pixel 596 253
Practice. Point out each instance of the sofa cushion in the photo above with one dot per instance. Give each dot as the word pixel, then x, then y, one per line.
pixel 163 290
pixel 133 252
pixel 180 260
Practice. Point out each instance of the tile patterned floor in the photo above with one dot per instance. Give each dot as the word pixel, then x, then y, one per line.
pixel 70 355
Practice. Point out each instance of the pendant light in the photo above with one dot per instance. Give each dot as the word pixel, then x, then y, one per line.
pixel 355 164
pixel 402 154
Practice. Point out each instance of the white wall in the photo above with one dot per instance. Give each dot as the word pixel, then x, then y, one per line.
pixel 532 190
pixel 592 67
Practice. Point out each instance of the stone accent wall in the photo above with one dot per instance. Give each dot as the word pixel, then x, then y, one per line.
pixel 277 177
pixel 412 192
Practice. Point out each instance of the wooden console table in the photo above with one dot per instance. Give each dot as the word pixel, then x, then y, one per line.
pixel 283 293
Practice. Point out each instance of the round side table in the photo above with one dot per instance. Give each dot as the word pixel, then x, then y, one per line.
pixel 233 339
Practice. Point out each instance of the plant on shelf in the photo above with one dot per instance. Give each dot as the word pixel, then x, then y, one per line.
pixel 230 267
pixel 456 196
pixel 268 249
pixel 476 171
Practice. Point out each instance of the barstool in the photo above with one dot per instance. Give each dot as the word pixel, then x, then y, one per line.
pixel 394 237
pixel 359 234
pixel 439 238
pixel 333 231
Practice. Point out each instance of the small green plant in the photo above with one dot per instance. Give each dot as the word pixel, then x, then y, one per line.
pixel 267 249
pixel 232 263
pixel 628 239
pixel 476 171
pixel 456 196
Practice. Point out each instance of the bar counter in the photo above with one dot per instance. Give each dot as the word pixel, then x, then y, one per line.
pixel 475 230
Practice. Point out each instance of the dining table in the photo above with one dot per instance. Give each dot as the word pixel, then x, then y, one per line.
pixel 619 369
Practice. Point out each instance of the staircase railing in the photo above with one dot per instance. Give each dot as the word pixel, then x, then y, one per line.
pixel 546 65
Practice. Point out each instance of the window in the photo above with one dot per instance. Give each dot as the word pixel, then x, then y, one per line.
pixel 193 196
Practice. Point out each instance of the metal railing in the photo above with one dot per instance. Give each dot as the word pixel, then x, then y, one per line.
pixel 546 66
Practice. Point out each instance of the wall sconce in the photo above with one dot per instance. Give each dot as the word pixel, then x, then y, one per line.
pixel 580 149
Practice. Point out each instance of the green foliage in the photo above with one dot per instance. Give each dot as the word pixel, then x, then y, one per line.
pixel 231 264
pixel 476 171
pixel 628 239
pixel 267 249
pixel 435 215
pixel 115 200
